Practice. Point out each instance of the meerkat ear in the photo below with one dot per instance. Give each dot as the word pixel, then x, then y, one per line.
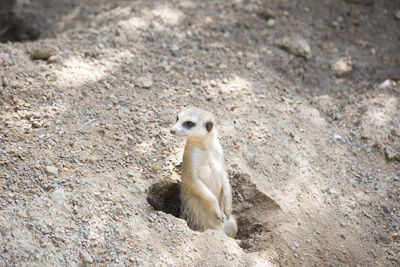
pixel 209 125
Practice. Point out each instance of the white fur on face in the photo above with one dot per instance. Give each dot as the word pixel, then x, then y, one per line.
pixel 195 115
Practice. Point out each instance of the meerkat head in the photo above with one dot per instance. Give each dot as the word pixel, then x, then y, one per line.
pixel 193 122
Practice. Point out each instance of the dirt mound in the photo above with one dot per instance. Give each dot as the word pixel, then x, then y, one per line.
pixel 306 96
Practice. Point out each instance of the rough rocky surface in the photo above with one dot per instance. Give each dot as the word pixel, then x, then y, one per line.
pixel 313 156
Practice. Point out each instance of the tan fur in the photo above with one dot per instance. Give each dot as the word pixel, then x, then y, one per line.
pixel 206 196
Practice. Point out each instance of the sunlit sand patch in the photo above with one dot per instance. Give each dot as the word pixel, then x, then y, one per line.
pixel 77 71
pixel 168 15
pixel 134 23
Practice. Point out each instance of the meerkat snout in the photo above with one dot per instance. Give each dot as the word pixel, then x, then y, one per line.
pixel 206 196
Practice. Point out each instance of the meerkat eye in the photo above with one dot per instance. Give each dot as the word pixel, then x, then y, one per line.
pixel 188 124
pixel 177 118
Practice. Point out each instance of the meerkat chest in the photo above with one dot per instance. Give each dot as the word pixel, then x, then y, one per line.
pixel 209 169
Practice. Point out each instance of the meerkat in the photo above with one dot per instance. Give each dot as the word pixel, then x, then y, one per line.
pixel 206 198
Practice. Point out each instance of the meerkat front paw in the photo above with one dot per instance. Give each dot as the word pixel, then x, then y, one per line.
pixel 219 215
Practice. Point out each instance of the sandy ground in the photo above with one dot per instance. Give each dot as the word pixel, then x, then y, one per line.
pixel 306 95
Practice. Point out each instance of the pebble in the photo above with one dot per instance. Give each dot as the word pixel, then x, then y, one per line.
pixel 86 257
pixel 397 15
pixel 213 83
pixel 342 66
pixel 385 84
pixel 250 65
pixel 58 196
pixel 294 45
pixel 144 82
pixel 271 22
pixel 295 137
pixel 334 192
pixel 296 244
pixel 337 137
pixel 54 59
pixel 45 52
pixel 51 170
pixel 174 48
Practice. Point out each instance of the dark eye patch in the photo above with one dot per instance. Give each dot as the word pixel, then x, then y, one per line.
pixel 188 124
pixel 177 118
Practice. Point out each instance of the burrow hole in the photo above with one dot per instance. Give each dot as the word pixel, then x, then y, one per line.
pixel 252 208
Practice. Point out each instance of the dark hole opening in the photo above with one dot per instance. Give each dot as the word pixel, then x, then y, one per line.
pixel 165 196
pixel 17 26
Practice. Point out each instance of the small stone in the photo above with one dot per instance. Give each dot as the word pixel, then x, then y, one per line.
pixel 342 66
pixel 395 235
pixel 296 244
pixel 295 137
pixel 213 83
pixel 45 52
pixel 271 22
pixel 334 192
pixel 144 82
pixel 51 170
pixel 5 82
pixel 54 59
pixel 337 137
pixel 174 48
pixel 397 15
pixel 58 196
pixel 250 65
pixel 294 45
pixel 385 84
pixel 86 257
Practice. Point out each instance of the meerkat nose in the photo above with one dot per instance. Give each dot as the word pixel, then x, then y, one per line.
pixel 173 131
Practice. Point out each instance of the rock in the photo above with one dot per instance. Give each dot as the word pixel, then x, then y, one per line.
pixel 58 196
pixel 174 48
pixel 385 84
pixel 337 137
pixel 342 66
pixel 334 193
pixel 395 235
pixel 144 82
pixel 86 257
pixel 213 83
pixel 271 22
pixel 391 153
pixel 250 65
pixel 54 59
pixel 51 170
pixel 45 52
pixel 265 13
pixel 294 45
pixel 295 137
pixel 5 82
pixel 296 244
pixel 397 15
